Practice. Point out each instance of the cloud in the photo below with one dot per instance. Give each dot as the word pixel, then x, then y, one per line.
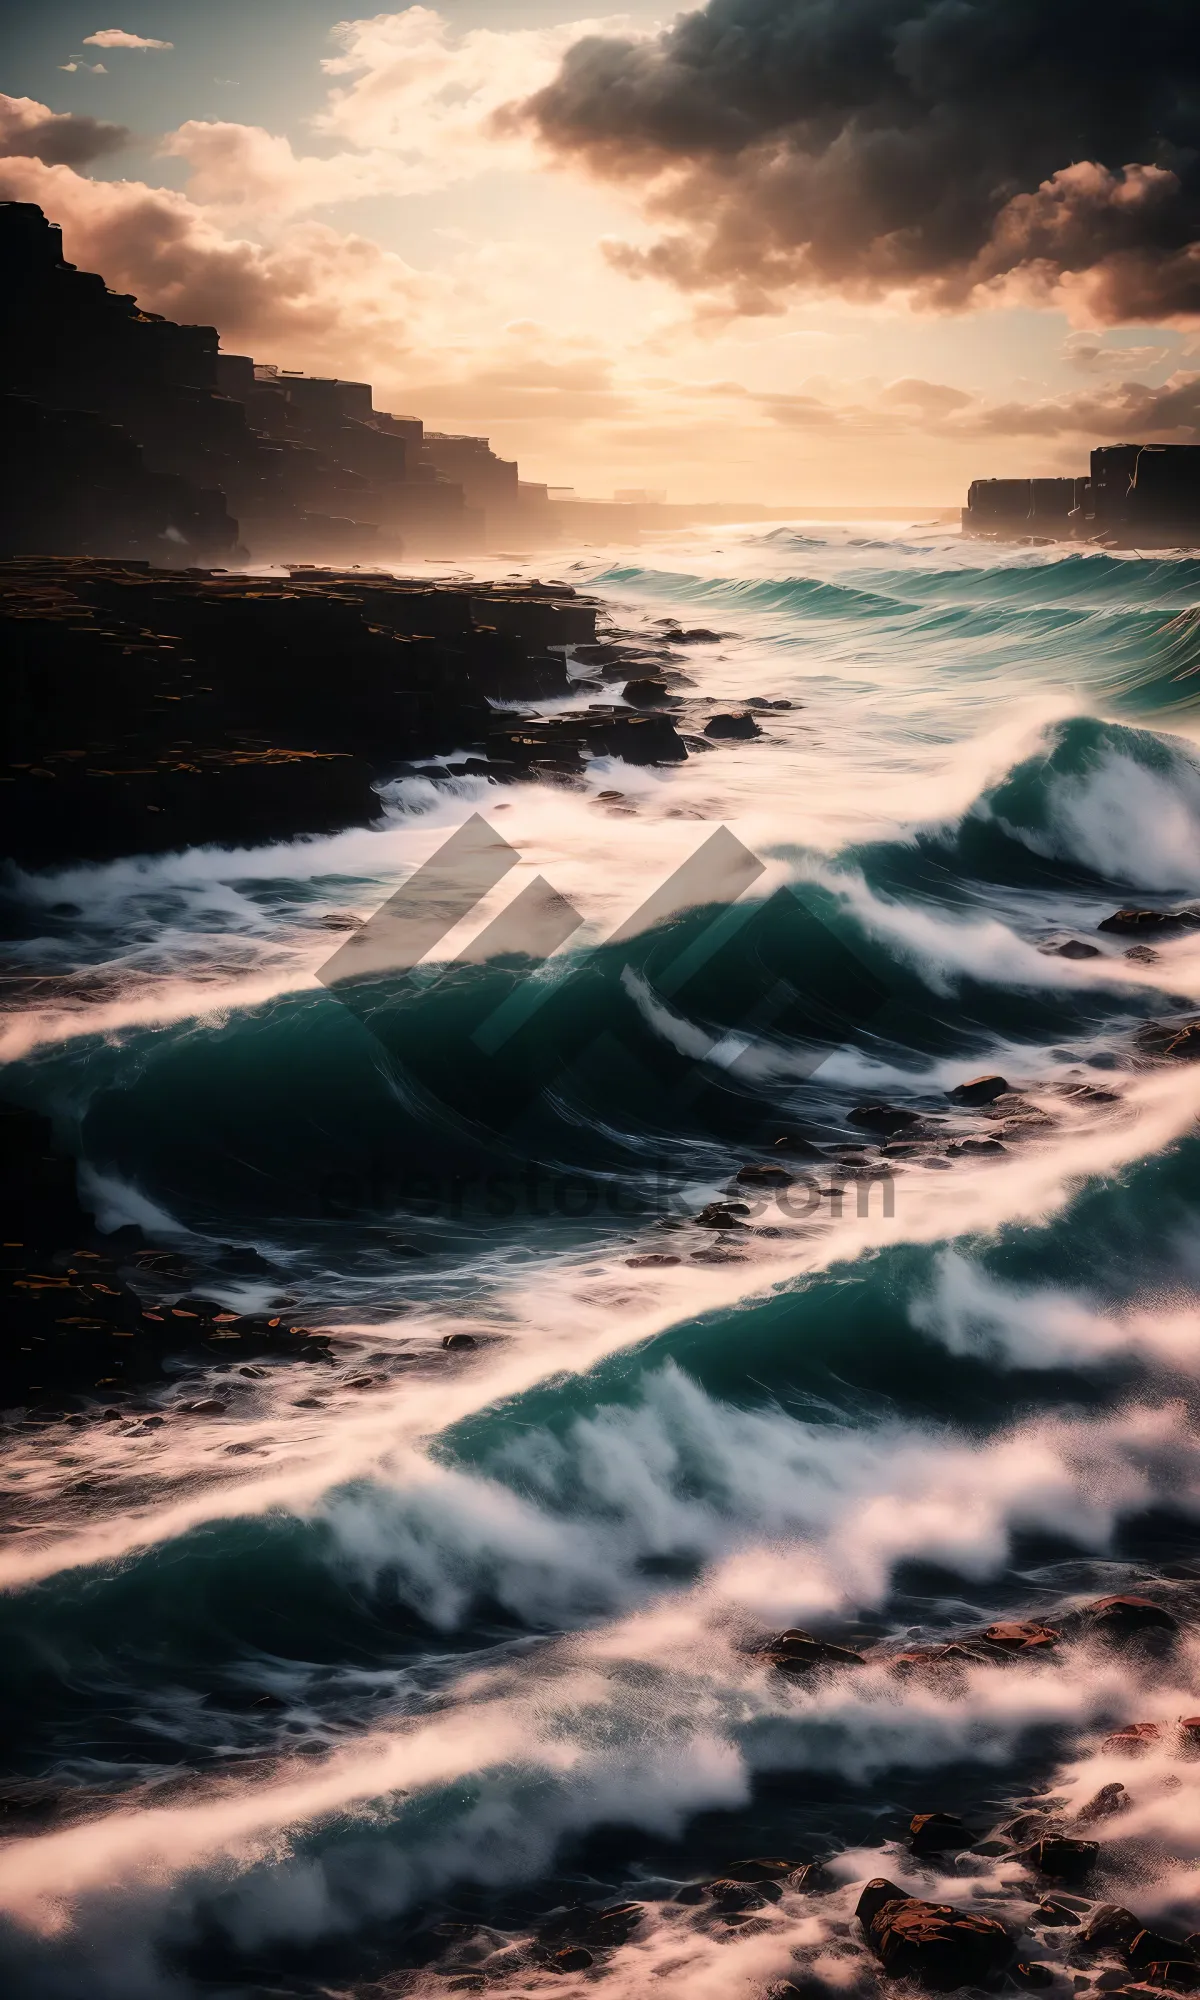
pixel 117 38
pixel 1087 351
pixel 412 107
pixel 1168 414
pixel 57 138
pixel 939 148
pixel 315 298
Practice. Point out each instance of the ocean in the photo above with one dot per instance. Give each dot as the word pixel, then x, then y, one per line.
pixel 354 1683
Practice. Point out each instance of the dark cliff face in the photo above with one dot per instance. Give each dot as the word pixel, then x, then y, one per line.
pixel 274 464
pixel 1136 494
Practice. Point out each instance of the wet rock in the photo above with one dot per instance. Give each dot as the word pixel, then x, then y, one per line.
pixel 646 693
pixel 597 1929
pixel 975 1146
pixel 722 1215
pixel 811 1879
pixel 764 1175
pixel 764 1868
pixel 1147 1947
pixel 700 636
pixel 1111 1927
pixel 924 1659
pixel 1062 1857
pixel 1135 1739
pixel 1142 954
pixel 1185 1046
pixel 572 1958
pixel 1139 923
pixel 458 1343
pixel 882 1118
pixel 937 1946
pixel 978 1090
pixel 796 1652
pixel 651 1258
pixel 1073 948
pixel 1033 1975
pixel 736 725
pixel 1055 1914
pixel 1108 1800
pixel 938 1833
pixel 1167 1976
pixel 1123 1620
pixel 733 1898
pixel 1022 1636
pixel 208 1407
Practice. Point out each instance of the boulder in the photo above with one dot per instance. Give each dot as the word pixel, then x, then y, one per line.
pixel 645 693
pixel 1054 1914
pixel 769 1175
pixel 739 724
pixel 978 1090
pixel 735 1898
pixel 1034 1975
pixel 938 1833
pixel 1073 948
pixel 882 1118
pixel 1021 1636
pixel 1109 1928
pixel 1185 1046
pixel 933 1944
pixel 1062 1857
pixel 796 1652
pixel 1134 1740
pixel 1123 1619
pixel 699 635
pixel 1134 922
pixel 1108 1800
pixel 722 1215
pixel 457 1343
pixel 1149 1947
pixel 572 1958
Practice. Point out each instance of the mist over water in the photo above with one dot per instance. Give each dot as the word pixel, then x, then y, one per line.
pixel 473 1637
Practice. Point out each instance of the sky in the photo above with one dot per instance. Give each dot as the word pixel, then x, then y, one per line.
pixel 793 251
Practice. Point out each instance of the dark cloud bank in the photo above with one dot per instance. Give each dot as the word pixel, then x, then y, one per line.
pixel 934 145
pixel 58 138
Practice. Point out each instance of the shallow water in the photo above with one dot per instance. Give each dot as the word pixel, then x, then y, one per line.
pixel 470 1641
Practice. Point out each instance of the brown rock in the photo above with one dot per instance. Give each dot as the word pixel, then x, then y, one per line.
pixel 741 724
pixel 1134 922
pixel 1124 1618
pixel 1186 1044
pixel 938 1833
pixel 1061 1857
pixel 882 1118
pixel 1148 1947
pixel 935 1945
pixel 1021 1636
pixel 1134 1740
pixel 978 1090
pixel 1108 1800
pixel 797 1652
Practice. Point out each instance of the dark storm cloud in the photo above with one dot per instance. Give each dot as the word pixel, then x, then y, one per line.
pixel 29 130
pixel 934 145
